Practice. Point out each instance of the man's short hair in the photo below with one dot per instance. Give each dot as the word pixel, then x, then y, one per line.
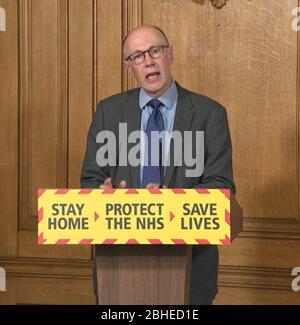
pixel 151 26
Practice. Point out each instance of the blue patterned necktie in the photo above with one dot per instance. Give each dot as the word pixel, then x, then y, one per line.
pixel 152 173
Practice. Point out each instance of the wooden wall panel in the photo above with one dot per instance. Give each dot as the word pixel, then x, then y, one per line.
pixel 81 85
pixel 47 281
pixel 262 252
pixel 55 291
pixel 9 131
pixel 28 247
pixel 44 116
pixel 81 70
pixel 224 54
pixel 40 111
pixel 60 45
pixel 250 285
pixel 108 45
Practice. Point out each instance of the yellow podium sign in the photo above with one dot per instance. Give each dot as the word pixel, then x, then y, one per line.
pixel 134 216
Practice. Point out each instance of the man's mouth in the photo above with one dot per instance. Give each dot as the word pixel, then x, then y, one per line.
pixel 153 76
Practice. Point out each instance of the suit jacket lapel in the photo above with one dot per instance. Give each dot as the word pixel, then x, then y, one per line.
pixel 183 120
pixel 132 116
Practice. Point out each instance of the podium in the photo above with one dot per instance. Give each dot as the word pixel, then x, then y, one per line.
pixel 152 272
pixel 150 275
pixel 141 274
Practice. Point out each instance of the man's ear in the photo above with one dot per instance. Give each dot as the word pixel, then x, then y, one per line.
pixel 128 67
pixel 170 54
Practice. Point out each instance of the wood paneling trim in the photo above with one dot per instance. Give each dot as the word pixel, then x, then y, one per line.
pixel 95 54
pixel 229 276
pixel 47 268
pixel 261 252
pixel 25 104
pixel 63 91
pixel 132 16
pixel 271 228
pixel 298 118
pixel 254 277
pixel 251 296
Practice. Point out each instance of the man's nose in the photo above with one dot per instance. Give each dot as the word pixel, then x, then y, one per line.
pixel 148 60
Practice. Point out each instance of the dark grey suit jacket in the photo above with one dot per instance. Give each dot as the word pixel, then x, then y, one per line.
pixel 194 113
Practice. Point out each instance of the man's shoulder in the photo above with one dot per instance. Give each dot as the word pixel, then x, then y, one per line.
pixel 200 101
pixel 119 99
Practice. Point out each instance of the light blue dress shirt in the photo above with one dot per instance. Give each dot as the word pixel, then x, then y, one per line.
pixel 169 100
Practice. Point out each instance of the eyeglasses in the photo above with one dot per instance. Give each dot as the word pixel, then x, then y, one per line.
pixel 139 57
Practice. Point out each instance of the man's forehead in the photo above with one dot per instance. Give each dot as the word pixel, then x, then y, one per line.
pixel 143 37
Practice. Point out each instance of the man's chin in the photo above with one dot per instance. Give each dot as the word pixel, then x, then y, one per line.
pixel 152 89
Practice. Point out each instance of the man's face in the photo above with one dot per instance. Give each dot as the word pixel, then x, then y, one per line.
pixel 154 75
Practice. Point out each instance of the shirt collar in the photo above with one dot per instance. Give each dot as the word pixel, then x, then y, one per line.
pixel 168 98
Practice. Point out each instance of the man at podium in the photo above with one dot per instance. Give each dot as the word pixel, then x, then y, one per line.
pixel 161 104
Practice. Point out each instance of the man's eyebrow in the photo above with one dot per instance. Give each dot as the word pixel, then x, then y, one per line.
pixel 135 52
pixel 155 45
